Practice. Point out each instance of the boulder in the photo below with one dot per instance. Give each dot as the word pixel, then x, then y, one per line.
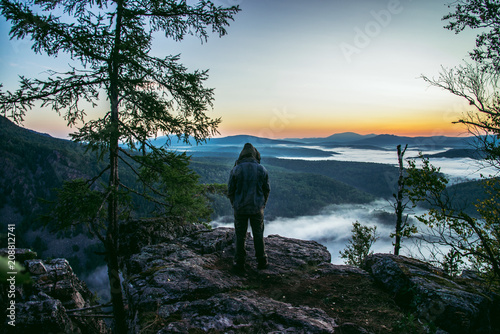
pixel 42 314
pixel 56 279
pixel 455 305
pixel 136 234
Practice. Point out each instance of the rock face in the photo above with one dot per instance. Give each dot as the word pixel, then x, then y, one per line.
pixel 183 285
pixel 136 234
pixel 459 305
pixel 48 302
pixel 186 285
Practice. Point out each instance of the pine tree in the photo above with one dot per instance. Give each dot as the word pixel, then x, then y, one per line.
pixel 110 43
pixel 358 247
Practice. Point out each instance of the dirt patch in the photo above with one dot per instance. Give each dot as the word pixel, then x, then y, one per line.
pixel 354 301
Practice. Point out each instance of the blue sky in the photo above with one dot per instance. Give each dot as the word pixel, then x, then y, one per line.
pixel 291 68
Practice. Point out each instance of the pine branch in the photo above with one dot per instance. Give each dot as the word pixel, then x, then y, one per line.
pixel 95 178
pixel 146 196
pixel 59 93
pixel 88 308
pixel 144 182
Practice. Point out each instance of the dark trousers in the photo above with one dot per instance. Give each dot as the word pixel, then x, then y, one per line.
pixel 241 227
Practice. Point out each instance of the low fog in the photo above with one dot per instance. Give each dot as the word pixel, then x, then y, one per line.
pixel 332 227
pixel 457 169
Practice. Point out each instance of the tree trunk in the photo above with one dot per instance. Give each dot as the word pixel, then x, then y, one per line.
pixel 112 229
pixel 399 201
pixel 120 315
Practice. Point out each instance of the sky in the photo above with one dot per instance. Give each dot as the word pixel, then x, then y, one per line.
pixel 296 68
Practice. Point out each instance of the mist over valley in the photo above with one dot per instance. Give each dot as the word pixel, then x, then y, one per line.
pixel 456 156
pixel 366 163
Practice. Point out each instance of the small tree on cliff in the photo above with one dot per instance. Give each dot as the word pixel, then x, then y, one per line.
pixel 358 247
pixel 110 44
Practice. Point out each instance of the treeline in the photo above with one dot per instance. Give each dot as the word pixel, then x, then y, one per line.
pixel 293 192
pixel 376 179
pixel 464 196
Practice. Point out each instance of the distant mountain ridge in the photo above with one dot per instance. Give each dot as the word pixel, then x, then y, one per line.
pixel 340 138
pixel 228 140
pixel 435 142
pixel 311 148
pixel 349 136
pixel 390 140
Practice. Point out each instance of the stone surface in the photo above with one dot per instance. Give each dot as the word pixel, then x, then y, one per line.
pixel 187 285
pixel 36 267
pixel 42 314
pixel 22 254
pixel 42 304
pixel 136 234
pixel 459 305
pixel 181 280
pixel 180 286
pixel 243 312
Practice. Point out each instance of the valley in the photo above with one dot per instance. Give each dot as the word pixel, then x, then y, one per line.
pixel 315 180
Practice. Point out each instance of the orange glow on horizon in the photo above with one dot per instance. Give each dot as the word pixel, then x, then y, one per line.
pixel 322 134
pixel 291 123
pixel 415 128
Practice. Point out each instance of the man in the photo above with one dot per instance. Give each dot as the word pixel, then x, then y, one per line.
pixel 248 190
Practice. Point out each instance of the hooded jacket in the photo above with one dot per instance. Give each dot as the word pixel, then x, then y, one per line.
pixel 248 186
pixel 249 151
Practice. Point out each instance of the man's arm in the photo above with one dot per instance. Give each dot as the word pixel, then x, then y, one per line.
pixel 231 187
pixel 266 187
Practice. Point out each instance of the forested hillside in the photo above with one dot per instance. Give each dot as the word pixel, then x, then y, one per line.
pixel 376 179
pixel 293 193
pixel 32 164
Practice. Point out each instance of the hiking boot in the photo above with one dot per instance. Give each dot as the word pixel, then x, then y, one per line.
pixel 262 264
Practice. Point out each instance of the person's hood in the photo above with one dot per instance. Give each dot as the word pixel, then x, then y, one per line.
pixel 249 151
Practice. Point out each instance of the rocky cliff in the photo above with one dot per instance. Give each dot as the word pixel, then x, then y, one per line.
pixel 185 284
pixel 179 279
pixel 51 299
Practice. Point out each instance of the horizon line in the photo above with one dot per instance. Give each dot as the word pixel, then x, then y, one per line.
pixel 341 133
